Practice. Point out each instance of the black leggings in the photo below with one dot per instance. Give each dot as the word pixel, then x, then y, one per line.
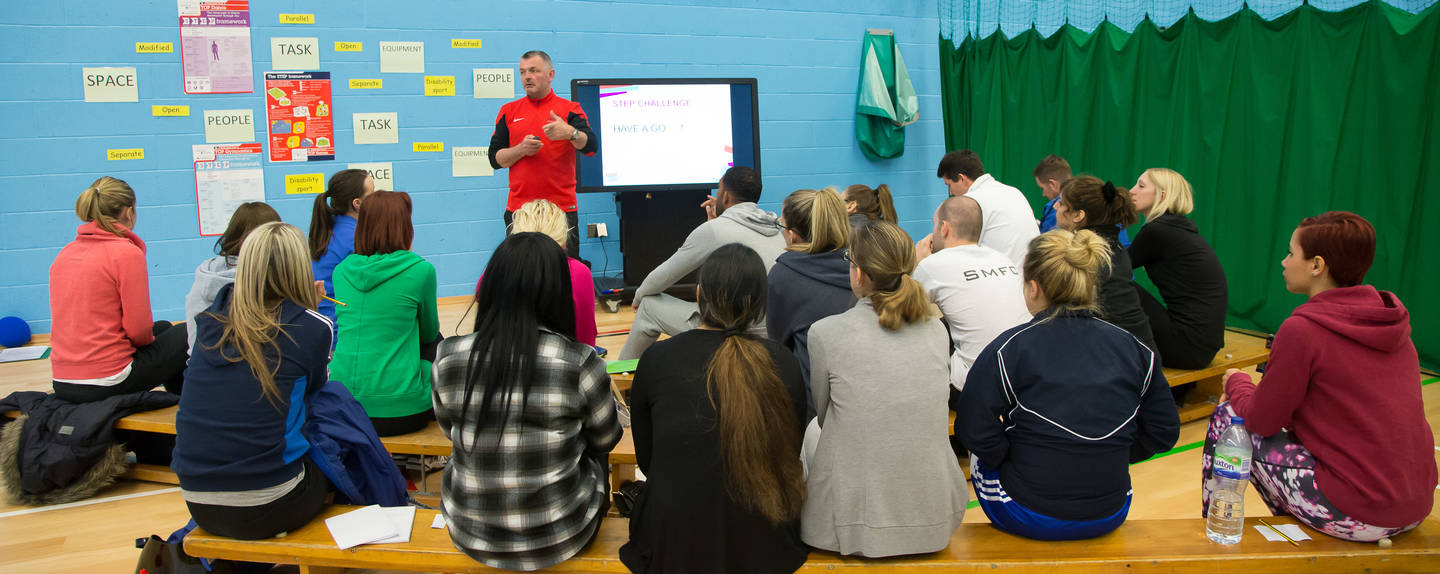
pixel 284 514
pixel 1177 350
pixel 162 362
pixel 391 426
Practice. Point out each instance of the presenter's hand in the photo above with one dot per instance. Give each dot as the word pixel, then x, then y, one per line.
pixel 922 248
pixel 557 129
pixel 709 206
pixel 635 305
pixel 529 146
pixel 320 289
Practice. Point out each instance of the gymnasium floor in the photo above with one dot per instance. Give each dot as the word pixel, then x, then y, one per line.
pixel 97 535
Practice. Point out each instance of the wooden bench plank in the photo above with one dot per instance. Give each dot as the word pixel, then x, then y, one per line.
pixel 1241 350
pixel 151 473
pixel 429 549
pixel 1138 546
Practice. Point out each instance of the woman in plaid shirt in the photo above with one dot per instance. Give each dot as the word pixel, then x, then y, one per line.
pixel 531 416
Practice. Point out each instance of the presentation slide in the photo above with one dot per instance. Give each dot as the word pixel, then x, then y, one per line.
pixel 664 134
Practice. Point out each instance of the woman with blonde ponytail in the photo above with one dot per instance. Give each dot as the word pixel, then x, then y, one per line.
pixel 103 342
pixel 811 279
pixel 882 480
pixel 1066 390
pixel 717 416
pixel 261 353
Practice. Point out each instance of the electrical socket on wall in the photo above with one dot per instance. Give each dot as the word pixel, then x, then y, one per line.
pixel 596 230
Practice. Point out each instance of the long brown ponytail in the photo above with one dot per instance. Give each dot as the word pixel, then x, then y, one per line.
pixel 887 256
pixel 759 434
pixel 103 201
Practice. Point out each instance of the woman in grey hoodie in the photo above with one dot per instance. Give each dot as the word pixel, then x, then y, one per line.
pixel 219 271
pixel 882 480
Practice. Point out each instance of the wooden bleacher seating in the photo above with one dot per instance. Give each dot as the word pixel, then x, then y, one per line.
pixel 1172 546
pixel 1241 350
pixel 429 441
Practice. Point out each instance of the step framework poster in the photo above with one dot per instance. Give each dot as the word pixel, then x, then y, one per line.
pixel 298 117
pixel 215 46
pixel 226 175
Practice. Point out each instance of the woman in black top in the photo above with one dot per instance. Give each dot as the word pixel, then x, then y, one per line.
pixel 717 417
pixel 1189 326
pixel 1098 206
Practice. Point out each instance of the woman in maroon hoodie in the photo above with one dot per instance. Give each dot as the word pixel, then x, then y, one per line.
pixel 1338 424
pixel 102 340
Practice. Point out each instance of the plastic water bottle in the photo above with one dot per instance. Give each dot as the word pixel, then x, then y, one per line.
pixel 1225 521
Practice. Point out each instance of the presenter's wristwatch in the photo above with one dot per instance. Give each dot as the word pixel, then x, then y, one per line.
pixel 574 134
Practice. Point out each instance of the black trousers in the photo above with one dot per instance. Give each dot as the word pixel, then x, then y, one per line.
pixel 297 508
pixel 159 363
pixel 391 426
pixel 572 241
pixel 1176 349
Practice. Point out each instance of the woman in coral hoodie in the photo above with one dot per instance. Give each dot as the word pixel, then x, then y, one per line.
pixel 102 340
pixel 1337 422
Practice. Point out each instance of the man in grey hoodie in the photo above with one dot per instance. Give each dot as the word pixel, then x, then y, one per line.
pixel 733 218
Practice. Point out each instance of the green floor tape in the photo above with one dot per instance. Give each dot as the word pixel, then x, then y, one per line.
pixel 1423 383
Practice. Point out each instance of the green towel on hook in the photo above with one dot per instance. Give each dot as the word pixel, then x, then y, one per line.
pixel 887 101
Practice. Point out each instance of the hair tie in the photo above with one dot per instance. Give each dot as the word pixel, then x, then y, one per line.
pixel 1108 191
pixel 736 331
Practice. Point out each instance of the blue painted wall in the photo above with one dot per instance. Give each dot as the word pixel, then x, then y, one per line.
pixel 52 144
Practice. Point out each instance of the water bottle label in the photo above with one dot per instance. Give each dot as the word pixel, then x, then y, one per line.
pixel 1231 462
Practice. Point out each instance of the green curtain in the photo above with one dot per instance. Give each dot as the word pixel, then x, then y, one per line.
pixel 1270 121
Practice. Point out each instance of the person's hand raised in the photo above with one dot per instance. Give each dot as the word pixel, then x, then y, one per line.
pixel 709 206
pixel 557 129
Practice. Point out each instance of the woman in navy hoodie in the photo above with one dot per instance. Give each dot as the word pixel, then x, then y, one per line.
pixel 1338 424
pixel 811 279
pixel 1064 391
pixel 261 352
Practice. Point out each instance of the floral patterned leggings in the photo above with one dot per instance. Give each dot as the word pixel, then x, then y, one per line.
pixel 1283 473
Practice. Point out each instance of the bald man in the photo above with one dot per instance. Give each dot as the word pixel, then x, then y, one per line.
pixel 978 288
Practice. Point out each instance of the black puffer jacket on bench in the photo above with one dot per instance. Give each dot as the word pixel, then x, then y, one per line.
pixel 59 451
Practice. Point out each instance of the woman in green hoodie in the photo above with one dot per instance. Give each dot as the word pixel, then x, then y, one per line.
pixel 388 322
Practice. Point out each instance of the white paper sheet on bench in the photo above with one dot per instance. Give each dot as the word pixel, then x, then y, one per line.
pixel 1291 530
pixel 360 527
pixel 401 518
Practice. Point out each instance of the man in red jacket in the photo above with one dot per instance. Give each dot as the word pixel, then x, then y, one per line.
pixel 536 137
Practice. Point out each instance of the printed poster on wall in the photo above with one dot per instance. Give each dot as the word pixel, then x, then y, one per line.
pixel 298 116
pixel 215 46
pixel 225 177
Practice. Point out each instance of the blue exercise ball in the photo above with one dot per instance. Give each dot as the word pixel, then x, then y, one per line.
pixel 14 332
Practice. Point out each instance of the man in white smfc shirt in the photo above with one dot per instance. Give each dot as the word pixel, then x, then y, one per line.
pixel 977 288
